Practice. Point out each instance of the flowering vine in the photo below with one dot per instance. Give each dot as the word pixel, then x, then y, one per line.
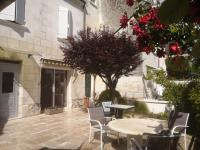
pixel 154 37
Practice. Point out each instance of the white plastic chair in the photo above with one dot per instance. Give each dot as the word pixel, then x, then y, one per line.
pixel 98 122
pixel 106 109
pixel 178 125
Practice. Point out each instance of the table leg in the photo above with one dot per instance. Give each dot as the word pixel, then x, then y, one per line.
pixel 129 147
pixel 120 113
pixel 134 144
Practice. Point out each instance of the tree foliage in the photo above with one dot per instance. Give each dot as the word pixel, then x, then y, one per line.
pixel 102 53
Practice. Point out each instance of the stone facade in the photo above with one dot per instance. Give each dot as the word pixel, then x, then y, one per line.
pixel 36 39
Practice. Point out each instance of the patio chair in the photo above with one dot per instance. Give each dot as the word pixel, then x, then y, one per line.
pixel 97 122
pixel 157 142
pixel 177 124
pixel 106 109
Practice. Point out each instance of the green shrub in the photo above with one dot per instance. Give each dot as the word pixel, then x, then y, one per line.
pixel 141 108
pixel 196 65
pixel 178 68
pixel 106 95
pixel 174 93
pixel 193 106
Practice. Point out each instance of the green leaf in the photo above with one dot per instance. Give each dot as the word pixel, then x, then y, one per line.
pixel 196 49
pixel 172 11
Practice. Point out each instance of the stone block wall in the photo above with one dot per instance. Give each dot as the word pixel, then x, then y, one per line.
pixel 36 39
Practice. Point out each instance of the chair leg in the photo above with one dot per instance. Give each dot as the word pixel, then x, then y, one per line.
pixel 101 139
pixel 90 134
pixel 185 142
pixel 118 138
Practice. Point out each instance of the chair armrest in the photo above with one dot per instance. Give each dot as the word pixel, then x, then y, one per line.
pixel 178 126
pixel 108 119
pixel 98 122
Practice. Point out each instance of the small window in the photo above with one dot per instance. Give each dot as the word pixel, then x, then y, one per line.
pixel 7 11
pixel 13 10
pixel 7 82
pixel 93 1
pixel 64 22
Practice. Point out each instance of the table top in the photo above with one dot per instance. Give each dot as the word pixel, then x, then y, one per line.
pixel 120 106
pixel 134 126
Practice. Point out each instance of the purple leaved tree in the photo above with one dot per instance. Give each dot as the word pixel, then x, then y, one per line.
pixel 102 53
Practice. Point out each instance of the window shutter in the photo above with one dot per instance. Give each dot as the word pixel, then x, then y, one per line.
pixel 70 23
pixel 63 26
pixel 20 11
pixel 8 13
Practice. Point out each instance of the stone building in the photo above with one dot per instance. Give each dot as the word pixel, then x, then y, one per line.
pixel 32 73
pixel 33 76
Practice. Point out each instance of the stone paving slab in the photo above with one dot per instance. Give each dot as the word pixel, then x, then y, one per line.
pixel 67 130
pixel 64 131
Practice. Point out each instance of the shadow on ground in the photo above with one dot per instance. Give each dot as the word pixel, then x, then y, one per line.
pixel 110 143
pixel 46 148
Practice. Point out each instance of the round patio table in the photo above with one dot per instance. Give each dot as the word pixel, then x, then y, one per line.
pixel 134 126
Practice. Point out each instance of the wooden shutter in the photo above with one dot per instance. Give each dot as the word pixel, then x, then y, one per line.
pixel 20 11
pixel 63 26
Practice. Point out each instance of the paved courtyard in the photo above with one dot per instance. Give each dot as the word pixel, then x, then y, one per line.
pixel 66 130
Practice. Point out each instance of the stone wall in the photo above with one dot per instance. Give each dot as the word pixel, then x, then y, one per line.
pixel 36 39
pixel 110 12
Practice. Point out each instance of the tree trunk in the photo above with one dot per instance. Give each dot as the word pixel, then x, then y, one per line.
pixel 112 86
pixel 94 87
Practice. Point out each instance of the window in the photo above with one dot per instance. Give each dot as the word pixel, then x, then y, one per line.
pixel 13 10
pixel 52 88
pixel 93 1
pixel 8 11
pixel 64 26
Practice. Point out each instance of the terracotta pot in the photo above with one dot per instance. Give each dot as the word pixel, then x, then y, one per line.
pixel 85 102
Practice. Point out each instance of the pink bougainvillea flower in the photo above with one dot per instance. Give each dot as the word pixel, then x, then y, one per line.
pixel 137 30
pixel 124 20
pixel 145 19
pixel 130 2
pixel 158 25
pixel 175 48
pixel 147 49
pixel 153 13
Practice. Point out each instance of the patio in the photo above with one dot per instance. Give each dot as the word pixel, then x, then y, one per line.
pixel 68 131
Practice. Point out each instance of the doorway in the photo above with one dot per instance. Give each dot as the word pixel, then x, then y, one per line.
pixel 9 89
pixel 52 88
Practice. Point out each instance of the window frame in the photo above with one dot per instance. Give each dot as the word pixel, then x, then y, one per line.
pixel 15 12
pixel 19 13
pixel 93 2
